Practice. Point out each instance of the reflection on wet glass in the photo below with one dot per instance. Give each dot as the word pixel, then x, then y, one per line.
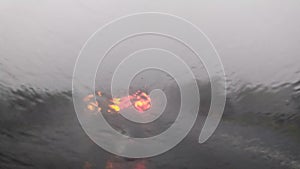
pixel 121 164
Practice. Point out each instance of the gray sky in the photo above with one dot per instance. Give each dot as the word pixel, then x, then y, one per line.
pixel 258 41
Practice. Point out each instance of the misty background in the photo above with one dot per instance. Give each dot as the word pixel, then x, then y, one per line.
pixel 258 43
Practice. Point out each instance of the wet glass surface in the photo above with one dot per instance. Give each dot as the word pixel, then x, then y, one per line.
pixel 258 43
